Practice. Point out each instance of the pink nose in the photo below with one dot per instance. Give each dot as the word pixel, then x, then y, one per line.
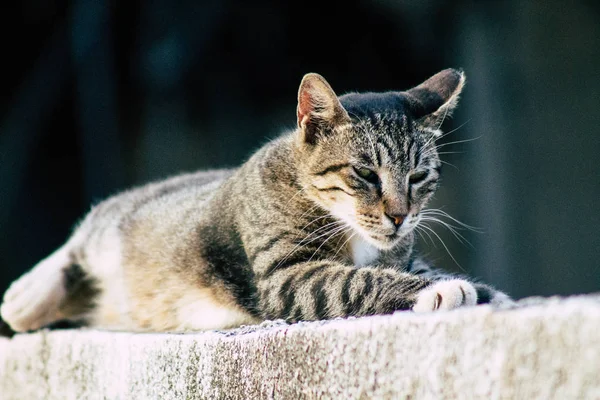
pixel 397 219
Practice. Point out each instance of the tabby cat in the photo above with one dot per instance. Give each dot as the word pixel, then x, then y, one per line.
pixel 317 224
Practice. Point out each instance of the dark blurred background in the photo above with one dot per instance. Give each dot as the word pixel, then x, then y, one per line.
pixel 98 96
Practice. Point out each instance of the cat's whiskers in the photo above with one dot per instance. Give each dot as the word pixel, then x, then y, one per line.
pixel 439 146
pixel 294 196
pixel 434 152
pixel 344 244
pixel 443 244
pixel 433 138
pixel 449 164
pixel 440 212
pixel 434 215
pixel 332 225
pixel 288 203
pixel 455 129
pixel 301 231
pixel 306 214
pixel 342 229
pixel 450 227
pixel 423 232
pixel 443 119
pixel 342 237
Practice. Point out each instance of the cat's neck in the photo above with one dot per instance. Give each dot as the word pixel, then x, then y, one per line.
pixel 362 252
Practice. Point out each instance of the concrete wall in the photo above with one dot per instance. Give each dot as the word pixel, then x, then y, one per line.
pixel 543 349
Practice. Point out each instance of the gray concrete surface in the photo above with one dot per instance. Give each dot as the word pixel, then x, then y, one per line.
pixel 542 349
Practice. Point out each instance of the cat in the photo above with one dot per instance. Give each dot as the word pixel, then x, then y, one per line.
pixel 317 224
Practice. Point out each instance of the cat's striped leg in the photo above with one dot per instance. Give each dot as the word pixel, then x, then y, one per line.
pixel 324 289
pixel 485 294
pixel 33 300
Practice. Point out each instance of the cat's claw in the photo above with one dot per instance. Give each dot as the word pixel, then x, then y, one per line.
pixel 446 295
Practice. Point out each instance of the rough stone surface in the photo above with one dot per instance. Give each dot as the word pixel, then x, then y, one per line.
pixel 542 349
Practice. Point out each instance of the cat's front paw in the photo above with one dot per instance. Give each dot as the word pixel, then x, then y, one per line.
pixel 446 295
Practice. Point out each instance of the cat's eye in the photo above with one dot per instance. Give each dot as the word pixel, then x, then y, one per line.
pixel 367 175
pixel 417 177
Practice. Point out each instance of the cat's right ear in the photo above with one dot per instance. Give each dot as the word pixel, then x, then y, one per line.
pixel 435 99
pixel 319 109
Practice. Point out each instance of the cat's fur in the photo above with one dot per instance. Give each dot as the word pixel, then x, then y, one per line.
pixel 317 224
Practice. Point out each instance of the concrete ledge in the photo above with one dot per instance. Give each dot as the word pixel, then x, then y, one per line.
pixel 543 349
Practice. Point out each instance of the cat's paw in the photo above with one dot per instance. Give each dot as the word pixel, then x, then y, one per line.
pixel 33 300
pixel 446 295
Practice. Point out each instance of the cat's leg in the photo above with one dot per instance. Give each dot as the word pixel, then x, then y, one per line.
pixel 34 300
pixel 485 294
pixel 324 289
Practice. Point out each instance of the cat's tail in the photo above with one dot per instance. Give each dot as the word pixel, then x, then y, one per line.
pixel 35 299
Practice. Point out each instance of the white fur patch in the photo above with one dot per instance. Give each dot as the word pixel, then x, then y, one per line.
pixel 104 261
pixel 363 253
pixel 446 295
pixel 33 300
pixel 200 311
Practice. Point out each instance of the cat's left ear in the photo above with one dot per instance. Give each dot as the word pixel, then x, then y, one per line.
pixel 319 109
pixel 435 99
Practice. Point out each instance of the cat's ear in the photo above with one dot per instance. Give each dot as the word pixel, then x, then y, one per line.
pixel 319 109
pixel 435 99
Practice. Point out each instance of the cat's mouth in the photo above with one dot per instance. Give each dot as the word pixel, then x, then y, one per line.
pixel 382 241
pixel 384 237
pixel 388 239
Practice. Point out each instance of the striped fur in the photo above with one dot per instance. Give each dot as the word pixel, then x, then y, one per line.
pixel 317 224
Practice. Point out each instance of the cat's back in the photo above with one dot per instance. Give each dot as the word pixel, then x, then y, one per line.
pixel 156 216
pixel 190 189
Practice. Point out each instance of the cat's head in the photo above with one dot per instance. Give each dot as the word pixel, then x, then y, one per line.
pixel 370 159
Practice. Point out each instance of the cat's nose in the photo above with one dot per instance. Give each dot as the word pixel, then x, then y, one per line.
pixel 397 219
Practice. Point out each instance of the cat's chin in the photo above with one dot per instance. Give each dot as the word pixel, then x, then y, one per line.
pixel 385 242
pixel 382 242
